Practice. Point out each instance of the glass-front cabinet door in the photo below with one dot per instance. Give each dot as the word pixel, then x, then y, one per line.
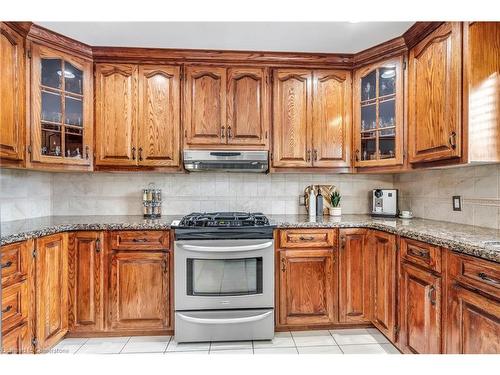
pixel 378 114
pixel 61 97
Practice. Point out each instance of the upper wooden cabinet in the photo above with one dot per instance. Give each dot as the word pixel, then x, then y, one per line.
pixel 311 118
pixel 435 96
pixel 137 115
pixel 61 109
pixel 12 105
pixel 116 114
pixel 379 114
pixel 225 107
pixel 354 276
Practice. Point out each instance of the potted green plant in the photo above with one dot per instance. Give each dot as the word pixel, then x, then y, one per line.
pixel 336 210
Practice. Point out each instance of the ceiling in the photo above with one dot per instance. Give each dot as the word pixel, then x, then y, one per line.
pixel 327 37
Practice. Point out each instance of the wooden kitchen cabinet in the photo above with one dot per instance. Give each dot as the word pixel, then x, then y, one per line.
pixel 51 289
pixel 86 282
pixel 420 310
pixel 139 290
pixel 12 96
pixel 116 114
pixel 473 310
pixel 61 110
pixel 435 96
pixel 312 118
pixel 226 107
pixel 17 341
pixel 354 276
pixel 137 115
pixel 384 261
pixel 378 96
pixel 307 287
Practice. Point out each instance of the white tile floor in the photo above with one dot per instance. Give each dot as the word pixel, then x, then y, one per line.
pixel 338 341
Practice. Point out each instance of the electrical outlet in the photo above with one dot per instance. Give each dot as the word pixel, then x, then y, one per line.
pixel 302 200
pixel 457 203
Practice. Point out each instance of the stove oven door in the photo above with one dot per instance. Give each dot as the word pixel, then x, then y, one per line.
pixel 224 274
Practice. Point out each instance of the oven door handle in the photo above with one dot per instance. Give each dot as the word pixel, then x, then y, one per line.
pixel 247 319
pixel 223 249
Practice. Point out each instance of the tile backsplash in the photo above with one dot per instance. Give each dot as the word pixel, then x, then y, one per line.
pixel 26 194
pixel 429 194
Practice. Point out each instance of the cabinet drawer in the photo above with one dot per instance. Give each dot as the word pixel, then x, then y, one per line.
pixel 14 262
pixel 421 253
pixel 477 273
pixel 140 240
pixel 14 305
pixel 306 238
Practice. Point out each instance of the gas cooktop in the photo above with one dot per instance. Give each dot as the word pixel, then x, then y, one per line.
pixel 223 219
pixel 224 225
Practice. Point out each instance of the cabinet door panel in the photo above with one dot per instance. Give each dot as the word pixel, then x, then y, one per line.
pixel 205 106
pixel 383 246
pixel 354 277
pixel 116 114
pixel 331 125
pixel 292 108
pixel 306 287
pixel 86 282
pixel 11 95
pixel 139 297
pixel 51 290
pixel 435 95
pixel 159 116
pixel 17 341
pixel 247 107
pixel 420 307
pixel 475 322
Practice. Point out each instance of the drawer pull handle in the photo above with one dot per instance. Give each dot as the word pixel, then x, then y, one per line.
pixel 140 240
pixel 419 253
pixel 283 264
pixel 308 238
pixel 6 265
pixel 485 277
pixel 7 309
pixel 98 245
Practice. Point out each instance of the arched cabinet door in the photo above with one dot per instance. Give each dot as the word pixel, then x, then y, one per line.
pixel 332 112
pixel 247 108
pixel 11 95
pixel 159 116
pixel 116 114
pixel 434 93
pixel 292 117
pixel 378 116
pixel 205 106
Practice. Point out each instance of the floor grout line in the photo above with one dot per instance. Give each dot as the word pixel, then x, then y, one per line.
pixel 335 341
pixel 168 343
pixel 123 347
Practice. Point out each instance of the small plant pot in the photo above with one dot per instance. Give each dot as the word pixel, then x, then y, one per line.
pixel 336 211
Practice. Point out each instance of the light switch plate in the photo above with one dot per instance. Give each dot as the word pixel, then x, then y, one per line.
pixel 457 203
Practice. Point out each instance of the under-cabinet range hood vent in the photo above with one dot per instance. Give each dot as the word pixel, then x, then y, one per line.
pixel 226 161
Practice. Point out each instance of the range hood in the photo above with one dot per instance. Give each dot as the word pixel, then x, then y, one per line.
pixel 226 161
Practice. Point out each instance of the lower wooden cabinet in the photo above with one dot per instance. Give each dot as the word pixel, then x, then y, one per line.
pixel 354 276
pixel 17 341
pixel 51 288
pixel 306 287
pixel 139 290
pixel 86 282
pixel 384 265
pixel 420 310
pixel 473 310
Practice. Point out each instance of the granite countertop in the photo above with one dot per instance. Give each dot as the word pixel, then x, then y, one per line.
pixel 466 239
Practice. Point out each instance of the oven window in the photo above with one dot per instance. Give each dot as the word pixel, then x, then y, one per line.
pixel 224 277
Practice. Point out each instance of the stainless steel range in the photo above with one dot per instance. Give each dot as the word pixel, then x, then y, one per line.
pixel 224 277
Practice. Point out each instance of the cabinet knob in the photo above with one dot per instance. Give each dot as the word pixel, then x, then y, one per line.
pixel 6 265
pixel 7 309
